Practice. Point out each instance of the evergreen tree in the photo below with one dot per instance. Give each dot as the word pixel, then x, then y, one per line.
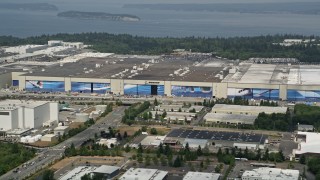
pixel 140 149
pixel 266 155
pixel 199 151
pixel 246 153
pixel 177 162
pixel 125 135
pixel 155 102
pixel 302 159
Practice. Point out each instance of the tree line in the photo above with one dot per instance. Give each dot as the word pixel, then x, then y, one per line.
pixel 241 48
pixel 12 155
pixel 134 110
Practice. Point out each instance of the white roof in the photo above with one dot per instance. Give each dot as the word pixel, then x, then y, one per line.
pixel 152 140
pixel 106 169
pixel 49 135
pixel 61 128
pixel 195 143
pixel 201 176
pixel 240 108
pixel 312 144
pixel 249 119
pixel 243 145
pixel 143 174
pixel 14 104
pixel 78 172
pixel 273 174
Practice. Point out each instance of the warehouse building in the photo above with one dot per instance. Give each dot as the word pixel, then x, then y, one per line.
pixel 61 130
pixel 217 118
pixel 308 143
pixel 49 138
pixel 216 138
pixel 201 176
pixel 195 143
pixel 153 141
pixel 247 110
pixel 16 114
pixel 144 174
pixel 107 172
pixel 266 173
pixel 305 127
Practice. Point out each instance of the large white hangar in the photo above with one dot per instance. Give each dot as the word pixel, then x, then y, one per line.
pixel 16 114
pixel 193 75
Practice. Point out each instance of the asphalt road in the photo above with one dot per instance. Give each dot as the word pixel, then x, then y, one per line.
pixel 49 155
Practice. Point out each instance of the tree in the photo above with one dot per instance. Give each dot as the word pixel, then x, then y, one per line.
pixel 164 114
pixel 153 131
pixel 150 115
pixel 246 153
pixel 302 159
pixel 127 148
pixel 163 161
pixel 167 150
pixel 160 148
pixel 125 135
pixel 140 149
pixel 48 175
pixel 155 102
pixel 199 151
pixel 218 168
pixel 177 162
pixel 144 129
pixel 119 137
pixel 145 116
pixel 186 148
pixel 266 155
pixel 282 158
pixel 147 160
pixel 258 156
pixel 155 160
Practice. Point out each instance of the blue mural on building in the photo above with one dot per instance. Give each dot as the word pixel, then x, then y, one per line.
pixel 191 91
pixel 254 93
pixel 45 86
pixel 134 89
pixel 299 95
pixel 85 87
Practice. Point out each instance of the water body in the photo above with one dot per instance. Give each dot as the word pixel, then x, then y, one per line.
pixel 158 23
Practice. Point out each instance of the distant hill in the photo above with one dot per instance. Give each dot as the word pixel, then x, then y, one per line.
pixel 98 15
pixel 29 6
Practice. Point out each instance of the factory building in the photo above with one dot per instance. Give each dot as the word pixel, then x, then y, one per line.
pixel 169 75
pixel 266 173
pixel 16 114
pixel 247 110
